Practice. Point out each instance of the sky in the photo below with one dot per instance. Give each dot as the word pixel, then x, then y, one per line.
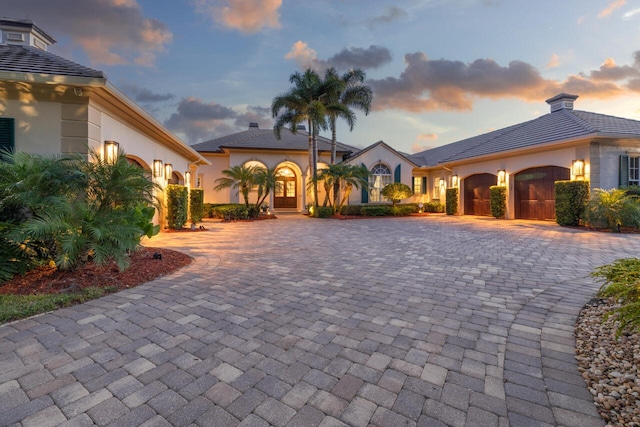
pixel 440 70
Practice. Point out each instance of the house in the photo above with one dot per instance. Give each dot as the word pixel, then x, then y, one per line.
pixel 50 105
pixel 260 147
pixel 529 157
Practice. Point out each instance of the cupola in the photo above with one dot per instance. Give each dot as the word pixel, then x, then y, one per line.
pixel 23 32
pixel 563 101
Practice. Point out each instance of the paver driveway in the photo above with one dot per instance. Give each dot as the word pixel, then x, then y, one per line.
pixel 390 322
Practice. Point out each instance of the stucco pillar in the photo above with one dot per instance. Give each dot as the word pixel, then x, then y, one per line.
pixel 304 193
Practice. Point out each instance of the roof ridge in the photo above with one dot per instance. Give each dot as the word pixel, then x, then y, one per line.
pixel 580 121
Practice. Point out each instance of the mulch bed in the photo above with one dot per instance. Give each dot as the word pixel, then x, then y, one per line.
pixel 143 268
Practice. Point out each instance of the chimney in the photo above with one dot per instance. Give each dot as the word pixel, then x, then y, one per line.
pixel 301 127
pixel 253 125
pixel 23 32
pixel 563 101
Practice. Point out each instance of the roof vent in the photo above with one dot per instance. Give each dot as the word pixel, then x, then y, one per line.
pixel 301 127
pixel 254 125
pixel 563 101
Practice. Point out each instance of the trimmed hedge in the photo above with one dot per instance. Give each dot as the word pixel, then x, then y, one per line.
pixel 324 212
pixel 234 212
pixel 571 201
pixel 196 204
pixel 498 201
pixel 452 201
pixel 377 210
pixel 403 210
pixel 351 210
pixel 433 207
pixel 177 201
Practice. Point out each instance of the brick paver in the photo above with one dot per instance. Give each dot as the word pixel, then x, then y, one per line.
pixel 402 321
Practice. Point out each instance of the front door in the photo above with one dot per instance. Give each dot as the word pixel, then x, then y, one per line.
pixel 286 192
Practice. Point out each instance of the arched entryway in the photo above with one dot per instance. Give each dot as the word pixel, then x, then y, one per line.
pixel 285 195
pixel 477 197
pixel 535 192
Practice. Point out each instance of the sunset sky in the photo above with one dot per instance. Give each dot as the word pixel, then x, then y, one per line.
pixel 441 70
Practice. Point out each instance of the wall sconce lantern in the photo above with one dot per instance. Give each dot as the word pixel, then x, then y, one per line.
pixel 442 182
pixel 187 179
pixel 111 149
pixel 158 170
pixel 577 168
pixel 168 170
pixel 454 181
pixel 502 178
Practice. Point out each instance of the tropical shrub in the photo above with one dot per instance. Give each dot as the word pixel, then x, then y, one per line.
pixel 177 198
pixel 452 201
pixel 396 192
pixel 433 207
pixel 324 212
pixel 234 212
pixel 622 282
pixel 403 210
pixel 196 204
pixel 69 210
pixel 351 210
pixel 498 201
pixel 571 201
pixel 613 209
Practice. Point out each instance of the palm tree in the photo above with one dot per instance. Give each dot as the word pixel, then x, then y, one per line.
pixel 344 92
pixel 241 178
pixel 303 102
pixel 266 180
pixel 346 176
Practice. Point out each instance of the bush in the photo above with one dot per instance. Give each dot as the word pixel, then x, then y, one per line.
pixel 433 207
pixel 498 201
pixel 403 210
pixel 324 212
pixel 196 204
pixel 622 282
pixel 177 197
pixel 452 201
pixel 351 210
pixel 376 210
pixel 231 212
pixel 571 201
pixel 613 209
pixel 396 192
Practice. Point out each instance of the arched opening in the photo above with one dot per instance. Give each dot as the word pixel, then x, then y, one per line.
pixel 535 192
pixel 285 194
pixel 379 178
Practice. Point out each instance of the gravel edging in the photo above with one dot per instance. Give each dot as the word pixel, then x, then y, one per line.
pixel 609 365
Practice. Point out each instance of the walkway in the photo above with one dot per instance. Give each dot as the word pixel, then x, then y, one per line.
pixel 427 321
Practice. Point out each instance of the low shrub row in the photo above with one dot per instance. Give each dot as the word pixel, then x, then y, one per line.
pixel 234 212
pixel 498 201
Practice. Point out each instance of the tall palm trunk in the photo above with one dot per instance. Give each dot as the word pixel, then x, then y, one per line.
pixel 334 144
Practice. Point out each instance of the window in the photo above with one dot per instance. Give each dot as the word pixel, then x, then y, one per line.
pixel 7 135
pixel 417 185
pixel 634 170
pixel 380 177
pixel 436 188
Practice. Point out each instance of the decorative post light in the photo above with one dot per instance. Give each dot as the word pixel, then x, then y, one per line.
pixel 111 149
pixel 502 178
pixel 577 169
pixel 158 170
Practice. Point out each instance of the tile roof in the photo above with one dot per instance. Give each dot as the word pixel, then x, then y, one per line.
pixel 553 127
pixel 27 59
pixel 265 139
pixel 388 147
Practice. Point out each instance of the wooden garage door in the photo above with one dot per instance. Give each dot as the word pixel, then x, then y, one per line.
pixel 535 192
pixel 477 197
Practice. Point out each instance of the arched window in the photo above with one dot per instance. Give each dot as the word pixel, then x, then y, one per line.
pixel 380 177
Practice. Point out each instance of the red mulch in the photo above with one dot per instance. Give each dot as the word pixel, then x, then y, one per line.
pixel 143 268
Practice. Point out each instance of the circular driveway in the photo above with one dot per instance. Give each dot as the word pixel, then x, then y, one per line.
pixel 429 321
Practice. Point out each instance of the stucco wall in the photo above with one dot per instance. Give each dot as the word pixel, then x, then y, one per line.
pixel 609 166
pixel 38 126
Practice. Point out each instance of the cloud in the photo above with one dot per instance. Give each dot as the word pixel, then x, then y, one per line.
pixel 196 120
pixel 612 6
pixel 247 16
pixel 358 57
pixel 554 61
pixel 111 32
pixel 427 136
pixel 393 13
pixel 303 55
pixel 428 85
pixel 144 95
pixel 631 14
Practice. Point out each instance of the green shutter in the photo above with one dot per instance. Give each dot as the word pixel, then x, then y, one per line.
pixel 624 171
pixel 7 135
pixel 364 191
pixel 397 176
pixel 413 185
pixel 424 185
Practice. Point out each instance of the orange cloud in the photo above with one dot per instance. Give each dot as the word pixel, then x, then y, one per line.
pixel 612 6
pixel 247 16
pixel 554 61
pixel 304 56
pixel 427 137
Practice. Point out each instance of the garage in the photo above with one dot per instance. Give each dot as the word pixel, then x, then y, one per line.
pixel 535 192
pixel 477 197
